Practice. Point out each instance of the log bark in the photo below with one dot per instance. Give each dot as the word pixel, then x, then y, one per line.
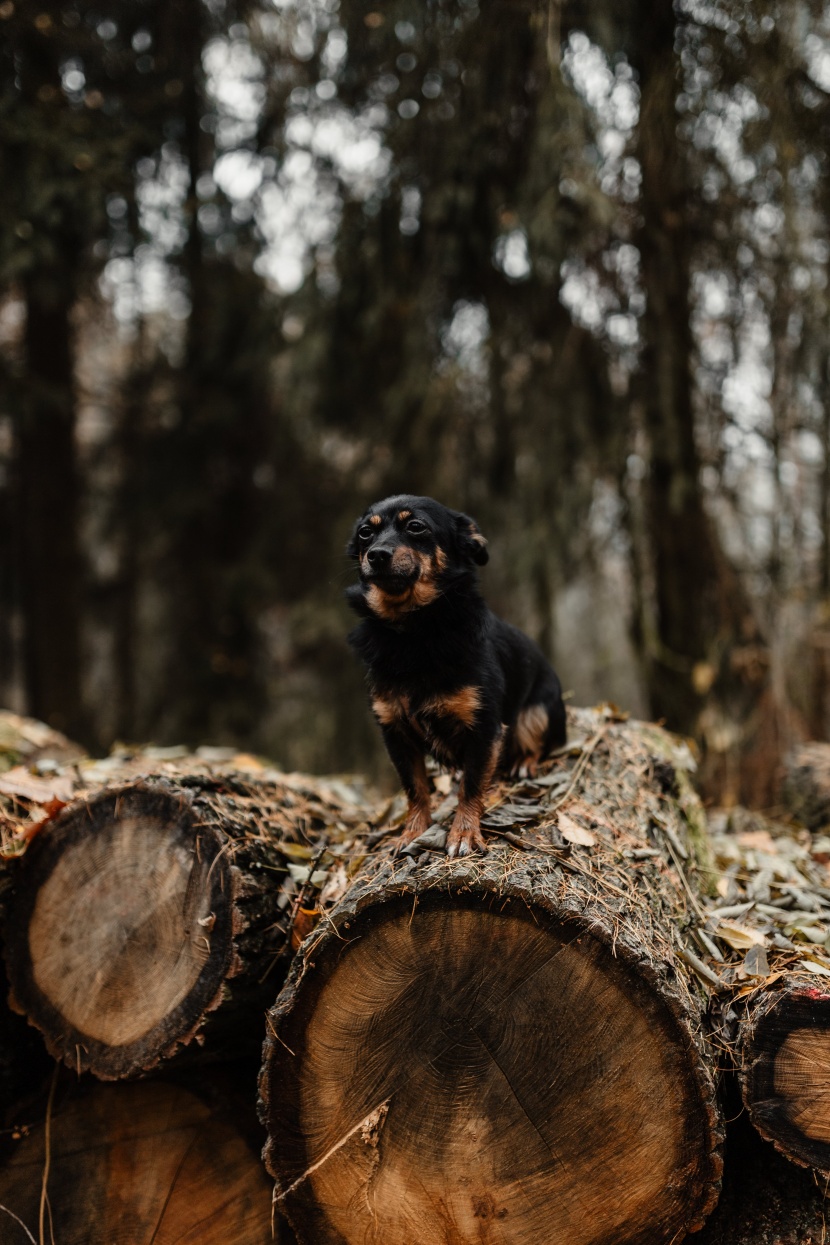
pixel 158 911
pixel 784 1043
pixel 770 928
pixel 506 1048
pixel 148 1164
pixel 805 790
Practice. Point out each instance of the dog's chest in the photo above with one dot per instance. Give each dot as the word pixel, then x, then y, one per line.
pixel 441 720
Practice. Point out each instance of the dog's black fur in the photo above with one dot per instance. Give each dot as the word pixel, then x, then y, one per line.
pixel 446 676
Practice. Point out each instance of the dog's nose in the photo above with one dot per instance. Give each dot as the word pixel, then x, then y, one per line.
pixel 379 558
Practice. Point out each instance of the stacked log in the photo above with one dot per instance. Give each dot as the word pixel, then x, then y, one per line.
pixel 767 949
pixel 148 1164
pixel 155 909
pixel 508 1047
pixel 521 1046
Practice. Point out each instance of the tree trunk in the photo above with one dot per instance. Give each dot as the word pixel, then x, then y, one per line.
pixel 48 551
pixel 159 910
pixel 706 667
pixel 148 1164
pixel 505 1048
pixel 805 790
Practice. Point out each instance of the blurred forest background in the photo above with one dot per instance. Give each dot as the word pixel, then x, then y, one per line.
pixel 560 264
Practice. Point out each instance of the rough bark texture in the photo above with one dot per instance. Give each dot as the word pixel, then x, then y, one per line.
pixel 805 790
pixel 506 1048
pixel 785 1070
pixel 149 1164
pixel 768 935
pixel 159 910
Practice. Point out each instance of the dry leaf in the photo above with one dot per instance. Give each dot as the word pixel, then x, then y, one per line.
pixel 19 782
pixel 335 888
pixel 813 967
pixel 574 833
pixel 739 937
pixel 304 923
pixel 756 963
pixel 442 783
pixel 760 840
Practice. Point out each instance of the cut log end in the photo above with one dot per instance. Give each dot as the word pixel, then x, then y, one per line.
pixel 457 1070
pixel 135 1164
pixel 786 1077
pixel 119 937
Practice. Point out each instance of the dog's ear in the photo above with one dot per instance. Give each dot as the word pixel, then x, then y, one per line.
pixel 352 550
pixel 473 544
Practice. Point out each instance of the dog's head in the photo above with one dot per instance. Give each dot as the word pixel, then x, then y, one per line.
pixel 410 549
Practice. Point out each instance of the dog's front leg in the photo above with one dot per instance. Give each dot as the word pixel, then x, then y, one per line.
pixel 480 760
pixel 407 756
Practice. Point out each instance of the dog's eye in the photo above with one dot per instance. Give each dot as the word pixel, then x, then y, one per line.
pixel 416 527
pixel 366 532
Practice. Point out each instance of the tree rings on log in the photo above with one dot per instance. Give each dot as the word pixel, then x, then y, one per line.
pixel 142 1164
pixel 133 918
pixel 785 1053
pixel 484 1050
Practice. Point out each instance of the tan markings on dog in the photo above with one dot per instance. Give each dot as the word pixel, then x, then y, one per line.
pixel 476 535
pixel 375 520
pixel 387 709
pixel 425 589
pixel 463 704
pixel 422 592
pixel 403 514
pixel 418 816
pixel 386 607
pixel 466 824
pixel 531 725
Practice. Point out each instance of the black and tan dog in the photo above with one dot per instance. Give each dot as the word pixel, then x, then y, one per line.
pixel 446 676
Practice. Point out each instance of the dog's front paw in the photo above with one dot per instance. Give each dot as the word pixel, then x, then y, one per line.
pixel 416 824
pixel 464 839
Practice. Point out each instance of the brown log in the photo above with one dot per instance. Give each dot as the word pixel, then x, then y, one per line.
pixel 506 1048
pixel 770 927
pixel 157 911
pixel 784 1045
pixel 765 1199
pixel 143 1164
pixel 805 790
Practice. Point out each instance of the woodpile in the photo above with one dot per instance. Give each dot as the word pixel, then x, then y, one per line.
pixel 533 1045
pixel 529 1035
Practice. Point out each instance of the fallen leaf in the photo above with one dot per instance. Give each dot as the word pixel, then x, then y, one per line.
pixel 574 833
pixel 48 811
pixel 304 923
pixel 442 783
pixel 756 963
pixel 739 937
pixel 20 782
pixel 760 840
pixel 813 967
